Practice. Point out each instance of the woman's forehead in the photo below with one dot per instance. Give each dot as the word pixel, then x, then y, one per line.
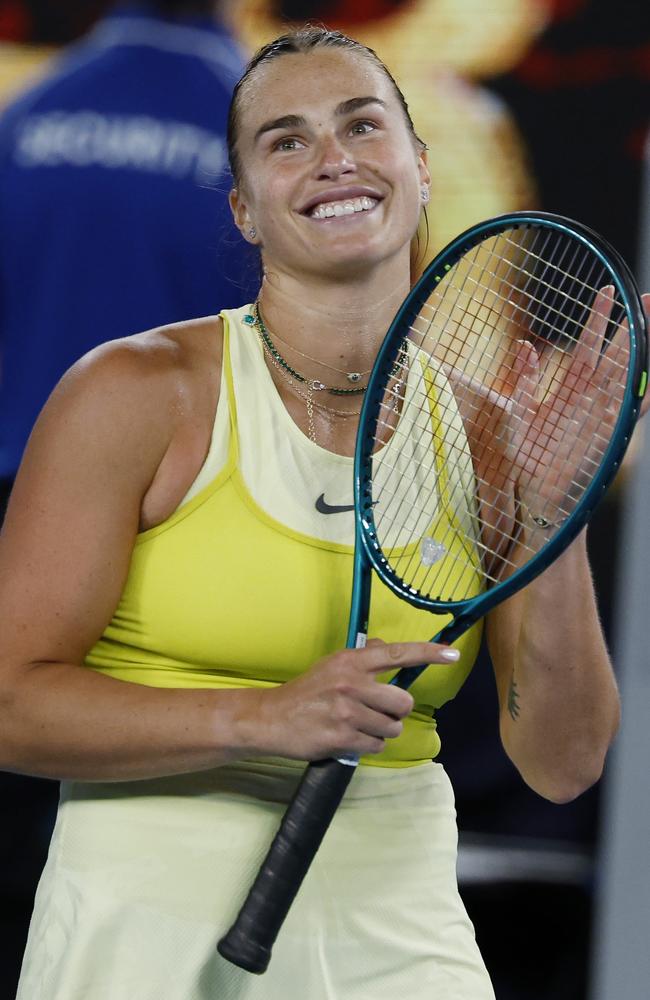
pixel 322 79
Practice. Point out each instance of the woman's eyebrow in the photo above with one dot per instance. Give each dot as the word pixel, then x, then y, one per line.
pixel 357 102
pixel 286 121
pixel 299 121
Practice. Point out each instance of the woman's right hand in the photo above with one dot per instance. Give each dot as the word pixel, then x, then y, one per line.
pixel 339 706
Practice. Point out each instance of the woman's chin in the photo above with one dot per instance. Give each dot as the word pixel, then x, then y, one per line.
pixel 344 263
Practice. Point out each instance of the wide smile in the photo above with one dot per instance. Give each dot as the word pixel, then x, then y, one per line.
pixel 342 208
pixel 343 203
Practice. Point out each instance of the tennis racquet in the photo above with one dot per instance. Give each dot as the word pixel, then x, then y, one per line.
pixel 498 411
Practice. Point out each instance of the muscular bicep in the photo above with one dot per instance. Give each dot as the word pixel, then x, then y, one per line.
pixel 73 516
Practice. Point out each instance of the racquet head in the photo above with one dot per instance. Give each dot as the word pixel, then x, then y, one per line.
pixel 498 410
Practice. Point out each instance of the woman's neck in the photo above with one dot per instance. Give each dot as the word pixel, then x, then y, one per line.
pixel 339 325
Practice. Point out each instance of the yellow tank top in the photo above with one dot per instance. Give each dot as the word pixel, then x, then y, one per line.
pixel 248 582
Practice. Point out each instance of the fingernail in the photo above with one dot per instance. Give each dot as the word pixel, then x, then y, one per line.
pixel 450 654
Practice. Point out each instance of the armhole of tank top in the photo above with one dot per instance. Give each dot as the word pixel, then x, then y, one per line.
pixel 220 441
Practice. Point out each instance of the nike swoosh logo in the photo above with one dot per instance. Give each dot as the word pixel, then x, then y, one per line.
pixel 325 508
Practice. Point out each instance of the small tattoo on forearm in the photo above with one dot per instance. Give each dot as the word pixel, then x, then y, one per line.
pixel 513 700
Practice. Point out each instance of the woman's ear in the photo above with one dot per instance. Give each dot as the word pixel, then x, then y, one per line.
pixel 423 169
pixel 242 217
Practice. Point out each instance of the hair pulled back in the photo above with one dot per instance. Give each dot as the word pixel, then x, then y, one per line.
pixel 302 41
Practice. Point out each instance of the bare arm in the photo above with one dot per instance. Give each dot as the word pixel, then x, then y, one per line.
pixel 558 697
pixel 64 556
pixel 559 706
pixel 104 438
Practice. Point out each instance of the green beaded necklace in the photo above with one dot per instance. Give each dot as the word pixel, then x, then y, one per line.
pixel 255 319
pixel 314 384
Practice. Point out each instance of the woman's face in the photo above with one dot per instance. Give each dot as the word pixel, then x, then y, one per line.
pixel 331 178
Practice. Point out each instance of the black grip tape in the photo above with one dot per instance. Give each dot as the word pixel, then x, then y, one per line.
pixel 249 941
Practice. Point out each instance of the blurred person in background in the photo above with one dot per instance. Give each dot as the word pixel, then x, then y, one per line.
pixel 113 219
pixel 113 198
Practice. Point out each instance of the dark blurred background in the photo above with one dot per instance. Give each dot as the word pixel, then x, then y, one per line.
pixel 524 103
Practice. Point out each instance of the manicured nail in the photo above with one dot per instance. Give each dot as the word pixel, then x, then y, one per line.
pixel 450 654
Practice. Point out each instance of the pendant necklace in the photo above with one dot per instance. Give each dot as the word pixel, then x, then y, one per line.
pixel 315 385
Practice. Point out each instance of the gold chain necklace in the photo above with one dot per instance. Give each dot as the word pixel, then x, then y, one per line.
pixel 350 376
pixel 315 384
pixel 293 377
pixel 308 397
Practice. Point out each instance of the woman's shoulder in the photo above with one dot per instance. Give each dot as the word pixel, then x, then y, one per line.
pixel 124 407
pixel 159 353
pixel 141 386
pixel 151 370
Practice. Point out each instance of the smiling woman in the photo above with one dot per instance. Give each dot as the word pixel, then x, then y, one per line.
pixel 331 190
pixel 175 572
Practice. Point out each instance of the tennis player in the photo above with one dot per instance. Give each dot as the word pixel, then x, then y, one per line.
pixel 175 574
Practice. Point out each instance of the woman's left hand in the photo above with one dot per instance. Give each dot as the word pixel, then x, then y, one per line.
pixel 535 441
pixel 557 434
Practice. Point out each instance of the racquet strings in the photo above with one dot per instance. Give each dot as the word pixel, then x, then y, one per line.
pixel 493 342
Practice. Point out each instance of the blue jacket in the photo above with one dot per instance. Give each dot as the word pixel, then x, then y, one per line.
pixel 113 209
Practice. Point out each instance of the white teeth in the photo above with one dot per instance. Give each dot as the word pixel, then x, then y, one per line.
pixel 331 209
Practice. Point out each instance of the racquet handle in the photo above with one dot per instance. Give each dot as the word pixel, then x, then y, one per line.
pixel 249 941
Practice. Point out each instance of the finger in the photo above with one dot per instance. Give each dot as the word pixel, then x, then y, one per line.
pixel 359 746
pixel 624 326
pixel 388 699
pixel 525 379
pixel 586 356
pixel 589 346
pixel 379 657
pixel 614 363
pixel 481 393
pixel 616 352
pixel 525 382
pixel 611 374
pixel 381 725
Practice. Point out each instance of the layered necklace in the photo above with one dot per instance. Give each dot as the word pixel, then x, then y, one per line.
pixel 312 386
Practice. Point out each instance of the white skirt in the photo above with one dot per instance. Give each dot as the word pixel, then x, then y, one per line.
pixel 144 877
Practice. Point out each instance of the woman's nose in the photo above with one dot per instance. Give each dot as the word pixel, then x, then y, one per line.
pixel 334 159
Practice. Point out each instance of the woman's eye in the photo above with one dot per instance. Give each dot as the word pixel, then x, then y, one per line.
pixel 287 144
pixel 362 128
